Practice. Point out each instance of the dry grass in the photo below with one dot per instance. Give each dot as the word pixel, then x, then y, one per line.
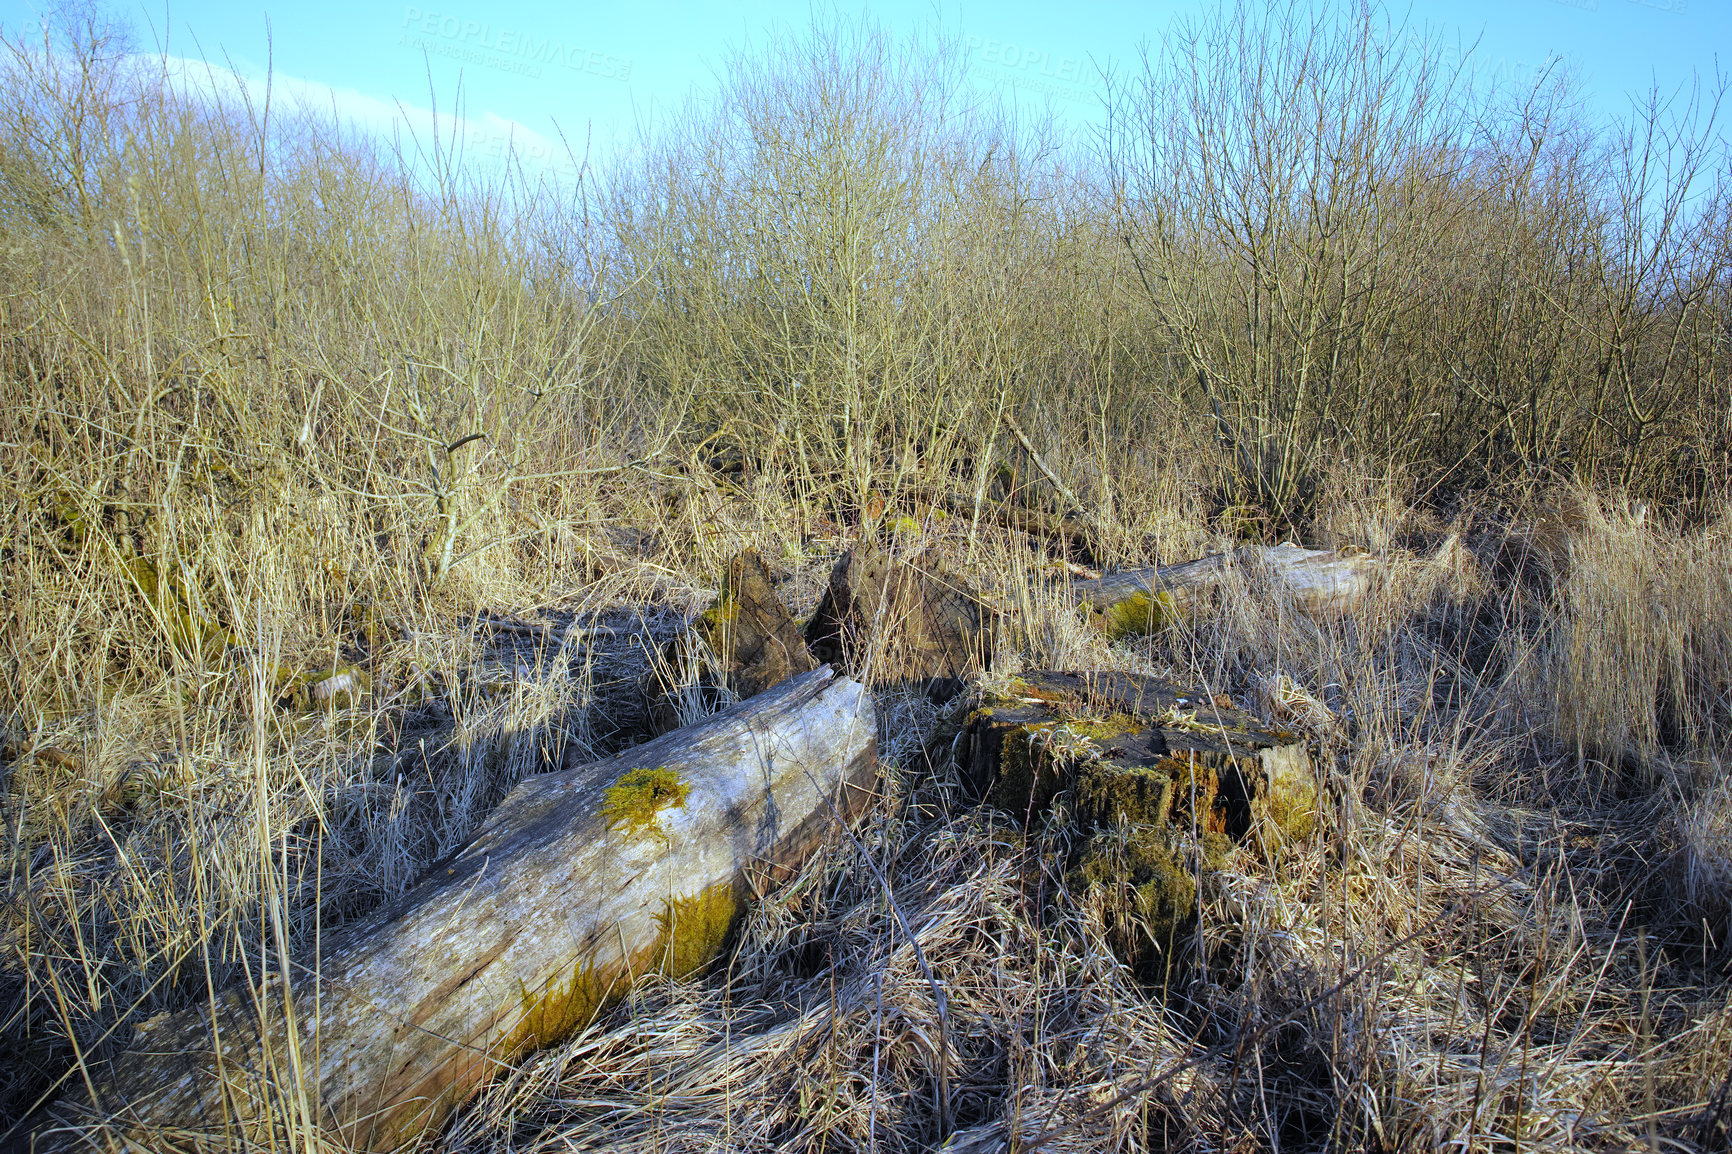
pixel 277 406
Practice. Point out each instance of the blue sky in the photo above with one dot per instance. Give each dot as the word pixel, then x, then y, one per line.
pixel 529 72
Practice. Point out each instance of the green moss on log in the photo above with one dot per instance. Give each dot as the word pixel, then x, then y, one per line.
pixel 636 800
pixel 1170 791
pixel 714 623
pixel 1036 760
pixel 1145 878
pixel 1140 615
pixel 547 1016
pixel 694 930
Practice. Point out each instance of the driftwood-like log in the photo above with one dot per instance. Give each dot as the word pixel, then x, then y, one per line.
pixel 1318 581
pixel 581 881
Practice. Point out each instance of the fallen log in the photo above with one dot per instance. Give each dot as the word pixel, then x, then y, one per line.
pixel 1317 581
pixel 581 881
pixel 1070 533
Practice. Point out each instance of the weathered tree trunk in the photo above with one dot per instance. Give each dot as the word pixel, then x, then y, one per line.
pixel 581 881
pixel 1319 581
pixel 1069 533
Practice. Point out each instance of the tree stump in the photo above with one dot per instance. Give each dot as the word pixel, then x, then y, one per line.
pixel 900 619
pixel 744 643
pixel 1164 781
pixel 580 882
pixel 1318 581
pixel 751 631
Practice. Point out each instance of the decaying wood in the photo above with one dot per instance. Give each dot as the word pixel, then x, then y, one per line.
pixel 1068 533
pixel 581 880
pixel 1163 780
pixel 751 631
pixel 1317 581
pixel 906 618
pixel 1139 749
pixel 745 642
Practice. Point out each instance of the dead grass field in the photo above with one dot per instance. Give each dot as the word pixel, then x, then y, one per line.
pixel 289 426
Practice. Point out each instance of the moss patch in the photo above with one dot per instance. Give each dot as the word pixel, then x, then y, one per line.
pixel 1039 753
pixel 194 636
pixel 1020 787
pixel 1140 615
pixel 695 928
pixel 562 1009
pixel 1145 878
pixel 693 931
pixel 1169 792
pixel 714 623
pixel 636 800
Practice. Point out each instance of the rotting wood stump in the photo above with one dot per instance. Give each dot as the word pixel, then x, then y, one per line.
pixel 745 642
pixel 752 633
pixel 581 881
pixel 1319 582
pixel 1163 780
pixel 906 619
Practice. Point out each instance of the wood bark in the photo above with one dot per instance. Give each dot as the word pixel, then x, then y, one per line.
pixel 1138 749
pixel 1318 581
pixel 557 903
pixel 903 618
pixel 1163 781
pixel 751 631
pixel 749 642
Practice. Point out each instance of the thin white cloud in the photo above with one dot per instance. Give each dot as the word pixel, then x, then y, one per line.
pixel 486 141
